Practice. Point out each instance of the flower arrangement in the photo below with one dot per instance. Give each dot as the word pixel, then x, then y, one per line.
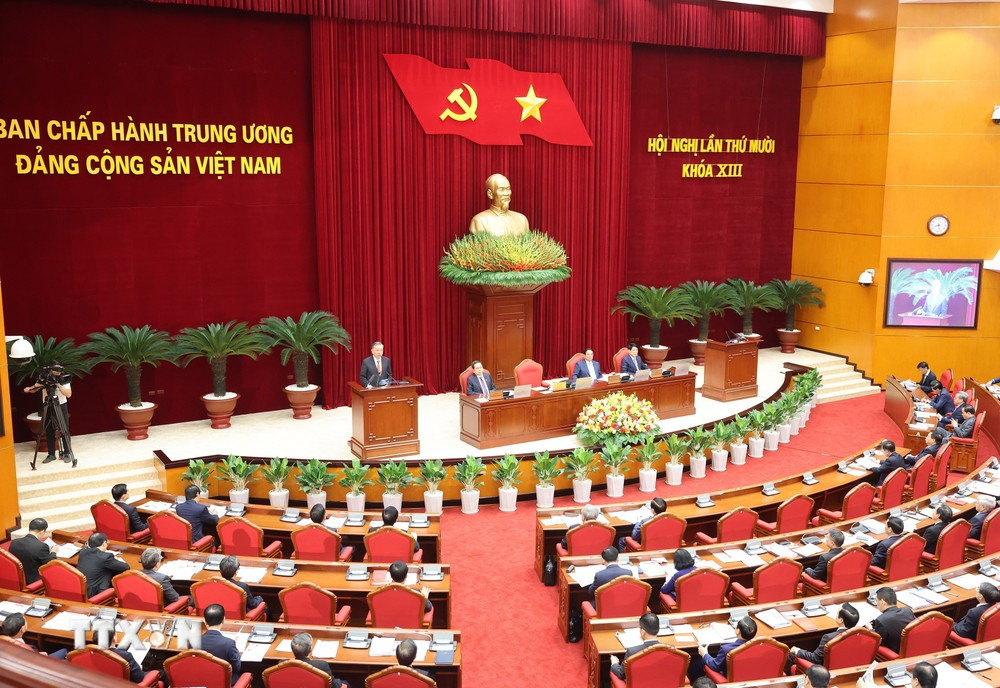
pixel 618 417
pixel 521 260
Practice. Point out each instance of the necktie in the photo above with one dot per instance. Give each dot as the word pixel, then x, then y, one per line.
pixel 590 367
pixel 482 386
pixel 378 366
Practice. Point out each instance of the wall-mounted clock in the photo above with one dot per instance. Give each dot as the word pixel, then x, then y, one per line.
pixel 938 225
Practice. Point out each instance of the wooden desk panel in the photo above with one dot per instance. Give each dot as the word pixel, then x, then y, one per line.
pixel 989 403
pixel 900 409
pixel 384 420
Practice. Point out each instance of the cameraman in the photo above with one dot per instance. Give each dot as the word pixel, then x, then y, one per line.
pixel 54 378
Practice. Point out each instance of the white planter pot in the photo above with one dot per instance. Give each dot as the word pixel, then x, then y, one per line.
pixel 239 496
pixel 674 473
pixel 794 425
pixel 315 498
pixel 616 485
pixel 784 433
pixel 544 495
pixel 432 502
pixel 355 502
pixel 738 454
pixel 470 501
pixel 807 411
pixel 581 490
pixel 719 459
pixel 756 445
pixel 393 499
pixel 279 498
pixel 771 440
pixel 698 466
pixel 508 499
pixel 647 480
pixel 813 402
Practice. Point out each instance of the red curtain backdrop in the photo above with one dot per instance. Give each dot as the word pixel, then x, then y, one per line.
pixel 390 198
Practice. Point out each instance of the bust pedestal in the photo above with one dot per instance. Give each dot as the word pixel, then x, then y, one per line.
pixel 499 328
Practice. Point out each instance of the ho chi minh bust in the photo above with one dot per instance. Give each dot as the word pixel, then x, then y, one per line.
pixel 499 219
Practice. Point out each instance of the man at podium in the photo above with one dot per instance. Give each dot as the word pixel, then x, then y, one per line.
pixel 376 370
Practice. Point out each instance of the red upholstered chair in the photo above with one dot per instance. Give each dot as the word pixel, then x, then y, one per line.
pixel 919 483
pixel 136 590
pixel 241 538
pixel 697 591
pixel 624 596
pixel 902 560
pixel 989 539
pixel 389 544
pixel 307 603
pixel 738 524
pixel 959 386
pixel 793 515
pixel 924 635
pixel 399 677
pixel 939 476
pixel 987 631
pixel 857 503
pixel 947 378
pixel 850 648
pixel 618 358
pixel 658 666
pixel 64 582
pixel 293 673
pixel 396 605
pixel 587 538
pixel 110 664
pixel 12 575
pixel 316 542
pixel 232 597
pixel 890 494
pixel 571 363
pixel 663 531
pixel 966 449
pixel 775 581
pixel 528 372
pixel 950 550
pixel 111 519
pixel 170 531
pixel 198 669
pixel 846 571
pixel 760 658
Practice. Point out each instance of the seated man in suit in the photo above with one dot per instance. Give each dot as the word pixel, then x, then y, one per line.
pixel 934 441
pixel 587 367
pixel 984 505
pixel 987 595
pixel 406 655
pixel 632 364
pixel 103 635
pixel 196 514
pixel 933 532
pixel 150 559
pixel 587 513
pixel 817 676
pixel 228 568
pixel 927 377
pixel 657 505
pixel 216 644
pixel 880 549
pixel 925 675
pixel 480 383
pixel 683 565
pixel 835 543
pixel 964 429
pixel 398 570
pixel 98 564
pixel 120 494
pixel 302 644
pixel 318 515
pixel 940 399
pixel 891 462
pixel 31 551
pixel 610 571
pixel 649 626
pixel 847 617
pixel 13 627
pixel 955 415
pixel 376 369
pixel 892 620
pixel 746 629
pixel 390 515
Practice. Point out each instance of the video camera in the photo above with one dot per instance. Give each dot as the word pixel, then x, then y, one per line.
pixel 51 375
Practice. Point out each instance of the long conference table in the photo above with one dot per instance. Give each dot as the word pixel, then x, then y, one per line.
pixel 544 414
pixel 901 410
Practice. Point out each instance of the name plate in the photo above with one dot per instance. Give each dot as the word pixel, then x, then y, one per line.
pixel 496 394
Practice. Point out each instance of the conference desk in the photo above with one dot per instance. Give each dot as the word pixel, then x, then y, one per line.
pixel 541 415
pixel 828 493
pixel 901 410
pixel 269 519
pixel 330 576
pixel 988 399
pixel 349 664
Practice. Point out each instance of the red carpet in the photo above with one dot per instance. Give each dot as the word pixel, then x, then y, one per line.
pixel 508 618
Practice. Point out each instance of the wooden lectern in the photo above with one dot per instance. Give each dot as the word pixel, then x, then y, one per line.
pixel 385 420
pixel 730 370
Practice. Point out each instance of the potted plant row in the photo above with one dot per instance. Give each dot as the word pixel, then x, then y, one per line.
pixel 649 453
pixel 277 473
pixel 546 469
pixel 676 447
pixel 313 478
pixel 432 474
pixel 581 463
pixel 469 472
pixel 507 472
pixel 393 476
pixel 614 456
pixel 355 479
pixel 235 470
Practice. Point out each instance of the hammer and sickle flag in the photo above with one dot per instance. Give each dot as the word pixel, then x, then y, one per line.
pixel 489 103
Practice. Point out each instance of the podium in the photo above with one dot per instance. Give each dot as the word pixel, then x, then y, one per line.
pixel 730 370
pixel 384 420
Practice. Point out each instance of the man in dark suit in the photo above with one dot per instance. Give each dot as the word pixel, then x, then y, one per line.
pixel 103 635
pixel 480 383
pixel 120 494
pixel 927 377
pixel 934 439
pixel 925 675
pixel 98 564
pixel 746 629
pixel 891 462
pixel 987 595
pixel 649 626
pixel 847 617
pixel 610 571
pixel 931 535
pixel 835 543
pixel 955 416
pixel 376 370
pixel 302 644
pixel 406 655
pixel 228 568
pixel 657 505
pixel 587 367
pixel 196 514
pixel 817 676
pixel 390 515
pixel 892 620
pixel 984 505
pixel 31 551
pixel 216 644
pixel 940 399
pixel 881 548
pixel 13 627
pixel 965 428
pixel 632 364
pixel 150 560
pixel 398 570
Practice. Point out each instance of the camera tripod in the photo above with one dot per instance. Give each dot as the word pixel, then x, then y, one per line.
pixel 52 417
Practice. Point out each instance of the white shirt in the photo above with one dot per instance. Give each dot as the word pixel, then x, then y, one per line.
pixel 590 367
pixel 59 395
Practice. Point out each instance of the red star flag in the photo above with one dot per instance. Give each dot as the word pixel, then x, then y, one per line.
pixel 489 102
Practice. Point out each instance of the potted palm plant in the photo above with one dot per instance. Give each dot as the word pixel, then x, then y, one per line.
pixel 698 440
pixel 772 418
pixel 758 424
pixel 546 469
pixel 277 473
pixel 737 446
pixel 676 447
pixel 649 453
pixel 131 349
pixel 301 340
pixel 469 473
pixel 355 480
pixel 394 476
pixel 313 479
pixel 614 456
pixel 432 473
pixel 657 304
pixel 581 463
pixel 721 435
pixel 707 299
pixel 792 294
pixel 507 472
pixel 216 342
pixel 746 297
pixel 198 473
pixel 239 474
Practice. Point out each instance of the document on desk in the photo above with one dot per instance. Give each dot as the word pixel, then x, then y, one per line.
pixel 705 564
pixel 284 646
pixel 64 621
pixel 251 574
pixel 325 649
pixel 773 618
pixel 584 575
pixel 630 637
pixel 912 600
pixel 808 550
pixel 67 550
pixel 851 538
pixel 715 633
pixel 304 521
pixel 993 658
pixel 856 472
pixel 13 607
pixel 573 520
pixel 217 510
pixel 241 639
pixel 156 506
pixel 724 556
pixel 652 568
pixel 970 581
pixel 554 521
pixel 930 595
pixel 632 516
pixel 181 569
pixel 386 647
pixel 910 524
pixel 953 677
pixel 992 489
pixel 335 522
pixel 780 550
pixel 867 462
pixel 876 527
pixel 254 652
